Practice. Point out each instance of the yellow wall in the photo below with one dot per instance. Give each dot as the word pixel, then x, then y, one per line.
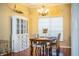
pixel 59 10
pixel 5 18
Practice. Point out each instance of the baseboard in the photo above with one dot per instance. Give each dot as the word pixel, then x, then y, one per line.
pixel 65 47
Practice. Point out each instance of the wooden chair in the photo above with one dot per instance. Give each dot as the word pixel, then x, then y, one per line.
pixel 58 45
pixel 39 48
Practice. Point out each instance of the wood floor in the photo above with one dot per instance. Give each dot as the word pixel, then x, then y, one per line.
pixel 65 51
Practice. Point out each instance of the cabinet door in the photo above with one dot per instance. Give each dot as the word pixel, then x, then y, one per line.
pixel 19 34
pixel 24 33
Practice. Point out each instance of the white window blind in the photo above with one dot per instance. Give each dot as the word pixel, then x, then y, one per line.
pixel 53 24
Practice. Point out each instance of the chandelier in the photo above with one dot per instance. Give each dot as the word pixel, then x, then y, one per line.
pixel 43 11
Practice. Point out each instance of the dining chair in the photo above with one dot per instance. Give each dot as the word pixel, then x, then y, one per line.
pixel 39 48
pixel 58 45
pixel 52 46
pixel 55 46
pixel 48 49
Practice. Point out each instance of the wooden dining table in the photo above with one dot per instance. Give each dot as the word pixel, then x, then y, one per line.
pixel 40 40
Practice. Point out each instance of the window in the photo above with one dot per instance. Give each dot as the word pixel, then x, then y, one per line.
pixel 54 26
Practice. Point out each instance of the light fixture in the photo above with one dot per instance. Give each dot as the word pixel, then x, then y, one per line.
pixel 15 10
pixel 43 11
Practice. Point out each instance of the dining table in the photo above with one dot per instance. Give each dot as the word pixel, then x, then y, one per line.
pixel 41 40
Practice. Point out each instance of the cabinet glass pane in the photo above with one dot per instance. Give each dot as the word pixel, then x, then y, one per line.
pixel 26 26
pixel 21 26
pixel 17 26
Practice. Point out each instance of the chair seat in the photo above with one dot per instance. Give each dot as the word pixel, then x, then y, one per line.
pixel 37 45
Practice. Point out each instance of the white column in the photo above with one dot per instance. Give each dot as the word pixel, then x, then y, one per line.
pixel 74 30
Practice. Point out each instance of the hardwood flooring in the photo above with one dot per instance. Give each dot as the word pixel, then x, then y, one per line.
pixel 64 50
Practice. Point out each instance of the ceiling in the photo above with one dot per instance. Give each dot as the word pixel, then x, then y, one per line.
pixel 38 5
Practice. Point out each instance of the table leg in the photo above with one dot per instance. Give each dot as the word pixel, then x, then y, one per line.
pixel 31 49
pixel 57 51
pixel 43 50
pixel 50 50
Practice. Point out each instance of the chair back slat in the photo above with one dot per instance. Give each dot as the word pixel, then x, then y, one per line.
pixel 58 40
